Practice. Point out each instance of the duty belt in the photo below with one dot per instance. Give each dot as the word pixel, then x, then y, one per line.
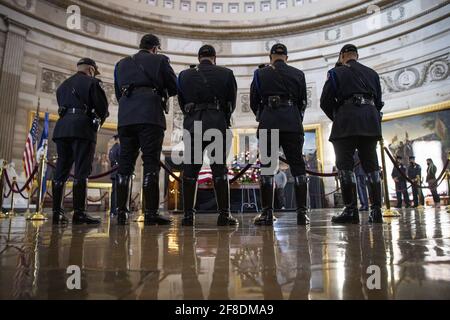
pixel 193 107
pixel 74 111
pixel 360 100
pixel 128 90
pixel 143 89
pixel 275 102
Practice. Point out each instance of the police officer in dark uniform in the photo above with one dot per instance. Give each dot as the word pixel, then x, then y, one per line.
pixel 83 107
pixel 114 155
pixel 207 94
pixel 415 174
pixel 401 189
pixel 351 98
pixel 142 82
pixel 278 99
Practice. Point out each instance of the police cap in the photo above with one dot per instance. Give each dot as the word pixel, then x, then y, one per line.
pixel 279 48
pixel 349 48
pixel 206 51
pixel 89 62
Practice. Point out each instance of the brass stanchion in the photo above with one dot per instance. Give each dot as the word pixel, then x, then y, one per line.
pixel 141 217
pixel 140 214
pixel 388 212
pixel 2 171
pixel 30 194
pixel 109 200
pixel 11 212
pixel 39 214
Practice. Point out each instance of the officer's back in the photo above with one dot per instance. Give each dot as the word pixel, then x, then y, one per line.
pixel 204 84
pixel 82 93
pixel 284 81
pixel 146 75
pixel 345 84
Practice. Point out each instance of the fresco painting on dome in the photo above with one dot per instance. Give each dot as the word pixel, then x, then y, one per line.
pixel 424 136
pixel 101 159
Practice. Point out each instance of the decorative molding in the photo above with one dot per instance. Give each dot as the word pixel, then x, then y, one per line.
pixel 309 95
pixel 25 4
pixel 165 24
pixel 333 34
pixel 51 79
pixel 178 117
pixel 415 76
pixel 244 103
pixel 91 26
pixel 416 111
pixel 396 14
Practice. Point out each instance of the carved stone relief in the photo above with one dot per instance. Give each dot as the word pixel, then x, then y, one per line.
pixel 416 75
pixel 51 79
pixel 177 131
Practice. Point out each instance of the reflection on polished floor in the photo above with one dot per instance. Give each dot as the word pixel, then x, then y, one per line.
pixel 322 261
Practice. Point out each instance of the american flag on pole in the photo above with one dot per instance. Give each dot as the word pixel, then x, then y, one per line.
pixel 29 159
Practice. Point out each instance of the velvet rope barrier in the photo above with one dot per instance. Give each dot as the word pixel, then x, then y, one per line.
pixel 25 185
pixel 20 192
pixel 178 179
pixel 435 185
pixel 8 194
pixel 240 173
pixel 65 196
pixel 248 166
pixel 99 199
pixel 314 173
pixel 93 177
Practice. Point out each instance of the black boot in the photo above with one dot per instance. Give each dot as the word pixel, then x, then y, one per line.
pixel 189 186
pixel 301 191
pixel 122 198
pixel 267 190
pixel 375 215
pixel 150 188
pixel 58 193
pixel 348 187
pixel 80 215
pixel 222 190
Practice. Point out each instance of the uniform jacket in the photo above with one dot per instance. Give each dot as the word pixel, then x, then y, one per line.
pixel 192 89
pixel 414 171
pixel 268 82
pixel 431 172
pixel 398 175
pixel 91 93
pixel 114 155
pixel 351 119
pixel 143 107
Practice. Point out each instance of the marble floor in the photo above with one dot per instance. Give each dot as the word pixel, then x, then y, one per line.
pixel 405 258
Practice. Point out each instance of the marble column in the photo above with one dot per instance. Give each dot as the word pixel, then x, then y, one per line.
pixel 11 70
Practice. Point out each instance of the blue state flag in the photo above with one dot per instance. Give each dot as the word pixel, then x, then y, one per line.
pixel 42 150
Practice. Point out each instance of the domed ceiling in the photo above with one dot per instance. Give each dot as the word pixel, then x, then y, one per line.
pixel 224 19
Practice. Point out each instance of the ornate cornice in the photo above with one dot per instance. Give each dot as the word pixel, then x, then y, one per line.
pixel 222 31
